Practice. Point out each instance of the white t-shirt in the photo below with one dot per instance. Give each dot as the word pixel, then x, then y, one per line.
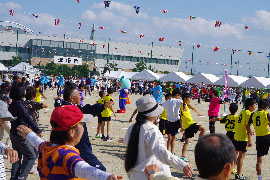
pixel 173 109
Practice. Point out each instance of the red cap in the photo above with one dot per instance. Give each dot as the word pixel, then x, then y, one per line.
pixel 64 117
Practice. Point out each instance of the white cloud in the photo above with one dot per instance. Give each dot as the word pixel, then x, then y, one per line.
pixel 12 5
pixel 261 20
pixel 89 15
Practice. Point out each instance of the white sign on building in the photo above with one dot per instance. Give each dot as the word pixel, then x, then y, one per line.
pixel 67 60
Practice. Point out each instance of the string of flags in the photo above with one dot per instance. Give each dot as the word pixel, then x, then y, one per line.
pixel 137 9
pixel 218 23
pixel 80 25
pixel 164 11
pixel 56 22
pixel 11 12
pixel 107 3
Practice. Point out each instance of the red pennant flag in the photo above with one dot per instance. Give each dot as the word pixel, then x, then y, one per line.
pixel 141 35
pixel 198 45
pixel 246 27
pixel 233 51
pixel 101 27
pixel 78 1
pixel 56 22
pixel 80 25
pixel 180 43
pixel 123 32
pixel 164 11
pixel 103 46
pixel 54 35
pixel 93 44
pixel 161 39
pixel 139 51
pixel 81 41
pixel 218 24
pixel 216 49
pixel 116 48
pixel 189 59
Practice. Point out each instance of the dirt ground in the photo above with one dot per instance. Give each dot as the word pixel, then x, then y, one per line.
pixel 111 154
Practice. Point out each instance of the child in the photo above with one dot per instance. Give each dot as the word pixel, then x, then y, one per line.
pixel 39 92
pixel 81 89
pixel 163 118
pixel 261 122
pixel 229 121
pixel 213 111
pixel 187 123
pixel 106 116
pixel 241 137
pixel 173 119
pixel 100 101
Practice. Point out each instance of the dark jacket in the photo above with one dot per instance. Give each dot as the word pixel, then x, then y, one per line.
pixel 19 110
pixel 84 145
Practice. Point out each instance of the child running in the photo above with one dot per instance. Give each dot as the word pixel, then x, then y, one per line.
pixel 241 136
pixel 106 116
pixel 261 122
pixel 100 101
pixel 187 123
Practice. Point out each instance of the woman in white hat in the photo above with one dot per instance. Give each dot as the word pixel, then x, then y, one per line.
pixel 145 143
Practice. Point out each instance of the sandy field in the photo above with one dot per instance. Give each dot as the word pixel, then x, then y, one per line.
pixel 111 154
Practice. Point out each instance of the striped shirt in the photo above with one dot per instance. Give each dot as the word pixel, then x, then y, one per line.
pixel 57 162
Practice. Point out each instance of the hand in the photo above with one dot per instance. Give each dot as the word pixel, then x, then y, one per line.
pixel 251 133
pixel 40 135
pixel 44 106
pixel 120 140
pixel 23 130
pixel 114 177
pixel 12 155
pixel 188 171
pixel 45 98
pixel 198 114
pixel 182 130
pixel 152 167
pixel 114 115
pixel 249 144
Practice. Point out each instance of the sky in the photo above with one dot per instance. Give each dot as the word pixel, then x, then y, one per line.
pixel 174 26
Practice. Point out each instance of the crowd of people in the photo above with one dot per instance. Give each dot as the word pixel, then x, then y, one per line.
pixel 68 153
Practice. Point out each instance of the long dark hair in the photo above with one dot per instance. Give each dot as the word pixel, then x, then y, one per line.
pixel 132 149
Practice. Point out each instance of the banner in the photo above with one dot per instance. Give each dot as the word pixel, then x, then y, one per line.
pixel 67 60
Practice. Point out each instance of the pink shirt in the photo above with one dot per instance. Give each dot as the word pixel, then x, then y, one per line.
pixel 214 107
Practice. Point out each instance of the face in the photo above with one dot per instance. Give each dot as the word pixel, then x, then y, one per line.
pixel 19 79
pixel 2 121
pixel 187 100
pixel 75 97
pixel 252 108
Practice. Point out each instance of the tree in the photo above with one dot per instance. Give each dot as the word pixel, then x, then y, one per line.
pixel 52 68
pixel 81 70
pixel 16 60
pixel 113 66
pixel 140 66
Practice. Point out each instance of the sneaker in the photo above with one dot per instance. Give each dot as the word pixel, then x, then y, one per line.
pixel 98 136
pixel 108 139
pixel 234 171
pixel 184 159
pixel 241 177
pixel 183 139
pixel 103 137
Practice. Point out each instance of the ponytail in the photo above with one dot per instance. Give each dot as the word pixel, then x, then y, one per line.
pixel 132 149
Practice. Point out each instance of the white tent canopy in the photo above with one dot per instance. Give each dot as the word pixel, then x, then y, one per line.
pixel 3 68
pixel 256 82
pixel 119 74
pixel 25 68
pixel 233 81
pixel 145 75
pixel 175 77
pixel 203 78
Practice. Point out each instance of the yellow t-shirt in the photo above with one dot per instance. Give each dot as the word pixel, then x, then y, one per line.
pixel 240 126
pixel 38 95
pixel 100 101
pixel 186 116
pixel 107 112
pixel 229 122
pixel 163 115
pixel 260 122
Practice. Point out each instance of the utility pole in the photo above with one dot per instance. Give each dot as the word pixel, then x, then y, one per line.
pixel 231 63
pixel 108 51
pixel 192 57
pixel 268 64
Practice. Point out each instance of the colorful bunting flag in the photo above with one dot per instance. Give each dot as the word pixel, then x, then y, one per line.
pixel 198 45
pixel 78 1
pixel 161 39
pixel 101 27
pixel 36 16
pixel 107 3
pixel 56 22
pixel 9 28
pixel 80 25
pixel 180 43
pixel 11 12
pixel 123 32
pixel 216 49
pixel 164 11
pixel 218 23
pixel 141 35
pixel 137 8
pixel 103 45
pixel 250 53
pixel 191 17
pixel 246 27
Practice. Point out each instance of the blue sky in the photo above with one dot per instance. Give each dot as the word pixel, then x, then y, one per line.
pixel 174 26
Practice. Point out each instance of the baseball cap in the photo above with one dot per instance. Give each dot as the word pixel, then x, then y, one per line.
pixel 4 113
pixel 66 116
pixel 148 106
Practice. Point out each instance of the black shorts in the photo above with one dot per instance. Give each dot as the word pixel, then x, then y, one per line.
pixel 241 146
pixel 262 145
pixel 192 130
pixel 162 126
pixel 99 119
pixel 106 118
pixel 230 135
pixel 173 127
